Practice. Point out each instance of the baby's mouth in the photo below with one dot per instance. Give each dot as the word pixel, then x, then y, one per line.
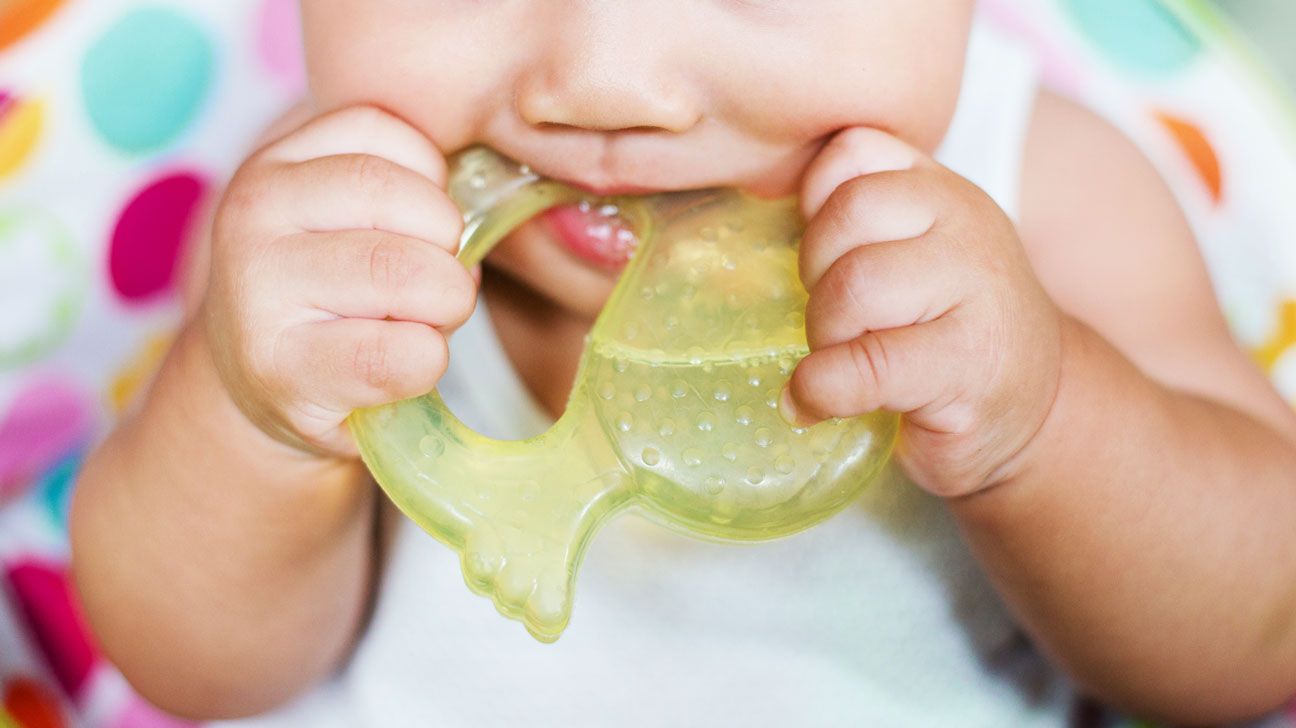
pixel 595 233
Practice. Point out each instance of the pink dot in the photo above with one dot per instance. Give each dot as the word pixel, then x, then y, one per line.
pixel 46 420
pixel 139 714
pixel 150 234
pixel 45 601
pixel 280 42
pixel 1059 72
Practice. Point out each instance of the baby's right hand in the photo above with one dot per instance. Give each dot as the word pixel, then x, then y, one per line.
pixel 333 277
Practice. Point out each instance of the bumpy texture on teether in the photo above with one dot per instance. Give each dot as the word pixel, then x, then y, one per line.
pixel 673 409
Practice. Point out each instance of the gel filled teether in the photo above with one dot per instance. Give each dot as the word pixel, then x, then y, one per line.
pixel 673 410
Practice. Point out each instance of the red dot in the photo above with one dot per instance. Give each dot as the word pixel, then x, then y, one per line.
pixel 54 621
pixel 30 705
pixel 150 235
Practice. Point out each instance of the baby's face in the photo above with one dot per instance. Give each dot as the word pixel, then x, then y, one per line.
pixel 621 96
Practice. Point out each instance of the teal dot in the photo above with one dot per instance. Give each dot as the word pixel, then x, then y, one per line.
pixel 1142 36
pixel 145 78
pixel 55 488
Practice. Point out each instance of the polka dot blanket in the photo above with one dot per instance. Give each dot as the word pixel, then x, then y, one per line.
pixel 120 119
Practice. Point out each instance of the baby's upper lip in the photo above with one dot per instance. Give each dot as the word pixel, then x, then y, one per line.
pixel 608 189
pixel 585 175
pixel 605 187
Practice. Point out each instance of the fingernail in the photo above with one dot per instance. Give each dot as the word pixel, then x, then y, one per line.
pixel 787 409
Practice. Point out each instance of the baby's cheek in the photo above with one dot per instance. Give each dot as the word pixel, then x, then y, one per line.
pixel 416 66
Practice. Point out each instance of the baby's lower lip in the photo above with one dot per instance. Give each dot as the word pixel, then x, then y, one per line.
pixel 595 234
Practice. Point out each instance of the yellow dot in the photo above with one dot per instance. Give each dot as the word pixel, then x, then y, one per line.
pixel 20 130
pixel 137 372
pixel 1283 339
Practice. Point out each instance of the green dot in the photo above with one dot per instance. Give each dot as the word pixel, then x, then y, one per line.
pixel 145 79
pixel 42 285
pixel 1143 36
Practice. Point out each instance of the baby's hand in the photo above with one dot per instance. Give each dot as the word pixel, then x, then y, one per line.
pixel 922 302
pixel 333 277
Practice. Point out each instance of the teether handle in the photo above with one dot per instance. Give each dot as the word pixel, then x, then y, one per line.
pixel 497 195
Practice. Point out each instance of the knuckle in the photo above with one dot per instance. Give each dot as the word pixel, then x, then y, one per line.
pixel 246 192
pixel 852 197
pixel 451 216
pixel 374 175
pixel 964 200
pixel 264 357
pixel 437 359
pixel 819 320
pixel 869 359
pixel 391 267
pixel 367 117
pixel 859 267
pixel 311 422
pixel 848 284
pixel 424 356
pixel 461 293
pixel 371 362
pixel 859 139
pixel 973 196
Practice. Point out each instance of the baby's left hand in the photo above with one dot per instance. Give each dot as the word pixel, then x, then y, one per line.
pixel 922 302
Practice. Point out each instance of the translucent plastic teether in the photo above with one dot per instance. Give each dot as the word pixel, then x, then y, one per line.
pixel 673 409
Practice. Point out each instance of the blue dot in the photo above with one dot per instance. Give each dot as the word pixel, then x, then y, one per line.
pixel 145 79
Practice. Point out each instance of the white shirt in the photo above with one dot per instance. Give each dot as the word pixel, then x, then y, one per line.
pixel 878 617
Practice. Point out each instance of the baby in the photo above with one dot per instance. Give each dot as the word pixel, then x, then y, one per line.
pixel 998 266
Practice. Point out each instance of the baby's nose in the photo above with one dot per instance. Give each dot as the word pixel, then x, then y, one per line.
pixel 601 70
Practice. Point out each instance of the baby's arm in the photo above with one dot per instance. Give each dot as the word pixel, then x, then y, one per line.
pixel 1151 544
pixel 1126 476
pixel 223 536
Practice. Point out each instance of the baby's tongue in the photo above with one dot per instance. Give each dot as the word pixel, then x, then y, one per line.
pixel 594 233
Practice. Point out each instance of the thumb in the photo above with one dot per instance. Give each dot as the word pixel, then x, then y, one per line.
pixel 855 152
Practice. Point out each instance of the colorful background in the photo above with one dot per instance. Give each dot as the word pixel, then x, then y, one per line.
pixel 119 119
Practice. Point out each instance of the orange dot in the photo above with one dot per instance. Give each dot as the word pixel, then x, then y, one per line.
pixel 20 17
pixel 30 705
pixel 1199 150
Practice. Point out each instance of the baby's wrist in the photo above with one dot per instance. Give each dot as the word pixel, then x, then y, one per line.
pixel 195 378
pixel 1038 444
pixel 1073 434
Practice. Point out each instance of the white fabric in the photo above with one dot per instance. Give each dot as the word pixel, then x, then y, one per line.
pixel 878 617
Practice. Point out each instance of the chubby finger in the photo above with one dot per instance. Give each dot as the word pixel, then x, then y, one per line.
pixel 901 370
pixel 346 364
pixel 356 192
pixel 882 286
pixel 376 275
pixel 882 207
pixel 365 130
pixel 855 152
